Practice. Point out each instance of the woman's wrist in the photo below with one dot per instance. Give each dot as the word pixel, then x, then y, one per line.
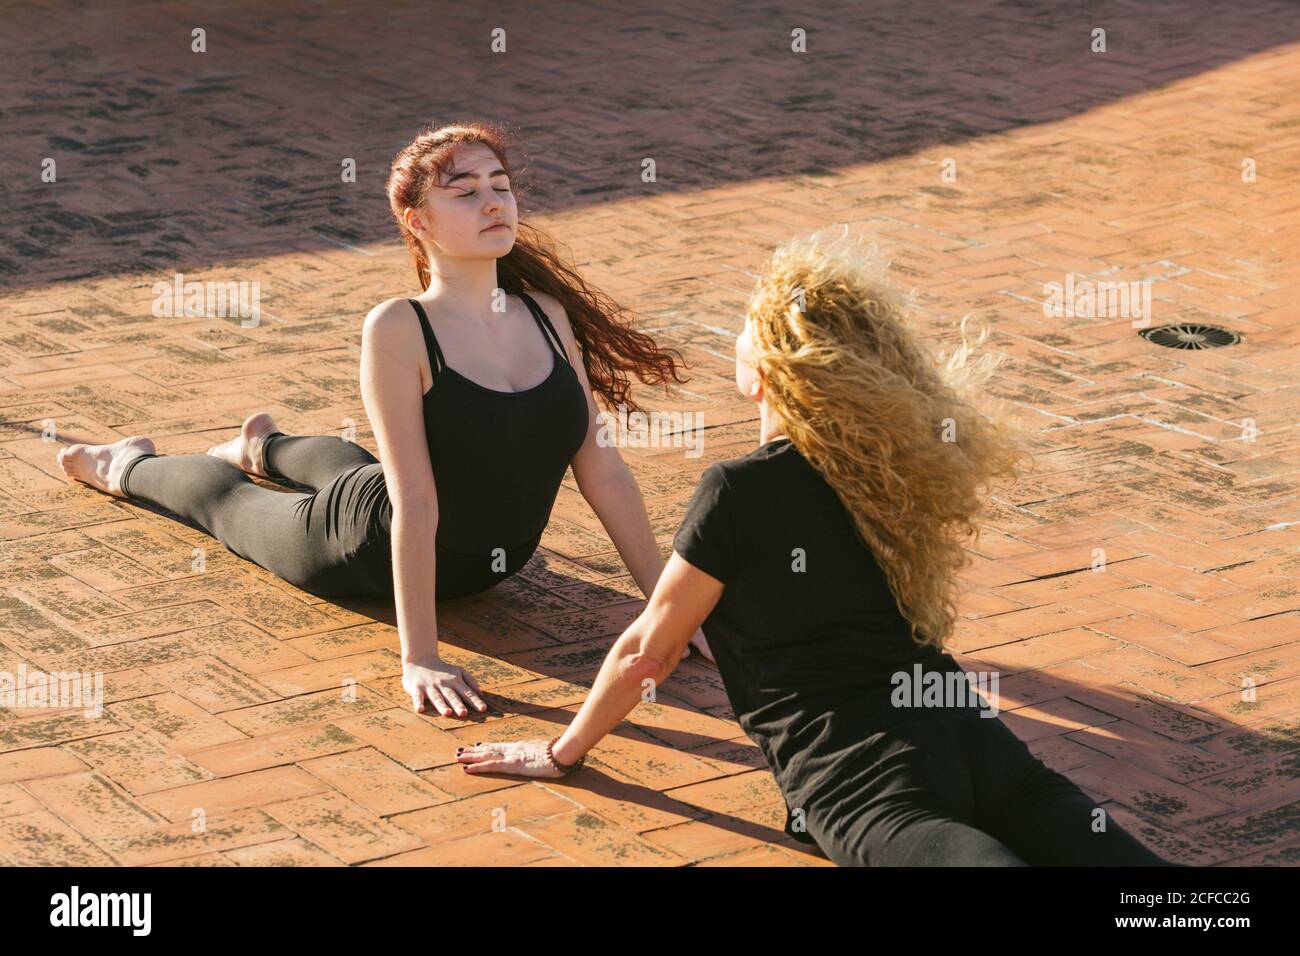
pixel 566 752
pixel 420 655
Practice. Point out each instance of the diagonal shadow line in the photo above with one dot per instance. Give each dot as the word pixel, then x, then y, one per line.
pixel 174 159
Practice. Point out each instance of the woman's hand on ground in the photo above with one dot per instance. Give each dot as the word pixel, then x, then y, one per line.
pixel 522 758
pixel 447 688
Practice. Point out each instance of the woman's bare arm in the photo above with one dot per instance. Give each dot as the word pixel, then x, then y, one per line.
pixel 607 484
pixel 644 656
pixel 604 478
pixel 392 390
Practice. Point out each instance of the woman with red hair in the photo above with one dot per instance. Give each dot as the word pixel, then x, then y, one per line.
pixel 480 392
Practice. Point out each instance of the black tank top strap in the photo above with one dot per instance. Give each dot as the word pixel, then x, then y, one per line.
pixel 544 322
pixel 436 361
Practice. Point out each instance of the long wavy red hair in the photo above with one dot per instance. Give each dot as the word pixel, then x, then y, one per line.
pixel 611 348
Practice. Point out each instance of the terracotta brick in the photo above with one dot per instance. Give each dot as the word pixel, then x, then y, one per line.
pixel 176 841
pixel 273 750
pixel 203 859
pixel 139 763
pixel 15 801
pixel 244 647
pixel 39 762
pixel 1255 635
pixel 1052 717
pixel 224 683
pixel 342 828
pixel 204 680
pixel 594 841
pixel 758 856
pixel 738 791
pixel 1045 650
pixel 346 641
pixel 375 782
pixel 1171 609
pixel 633 806
pixel 485 813
pixel 1167 803
pixel 178 723
pixel 306 710
pixel 1269 700
pixel 452 779
pixel 1134 665
pixel 699 840
pixel 507 848
pixel 333 673
pixel 226 795
pixel 91 803
pixel 404 736
pixel 41 839
pixel 1123 740
pixel 1182 646
pixel 1269 782
pixel 294 852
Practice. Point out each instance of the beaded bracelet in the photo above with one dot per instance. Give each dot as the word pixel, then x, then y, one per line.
pixel 565 769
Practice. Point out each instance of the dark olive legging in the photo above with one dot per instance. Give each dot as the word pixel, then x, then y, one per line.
pixel 331 542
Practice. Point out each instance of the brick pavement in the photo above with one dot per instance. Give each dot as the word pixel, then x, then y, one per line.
pixel 222 687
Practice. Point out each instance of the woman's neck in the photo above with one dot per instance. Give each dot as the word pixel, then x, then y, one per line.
pixel 770 426
pixel 466 287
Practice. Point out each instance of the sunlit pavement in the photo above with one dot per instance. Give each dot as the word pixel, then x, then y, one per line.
pixel 991 151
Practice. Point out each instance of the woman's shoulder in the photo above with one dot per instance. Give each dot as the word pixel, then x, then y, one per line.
pixel 389 335
pixel 387 310
pixel 720 478
pixel 766 459
pixel 390 318
pixel 775 467
pixel 389 327
pixel 549 303
pixel 554 311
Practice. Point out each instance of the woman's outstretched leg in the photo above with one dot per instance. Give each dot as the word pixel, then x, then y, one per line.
pixel 904 797
pixel 311 460
pixel 1038 812
pixel 925 838
pixel 1051 822
pixel 309 540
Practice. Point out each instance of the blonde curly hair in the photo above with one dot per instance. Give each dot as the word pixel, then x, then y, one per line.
pixel 892 428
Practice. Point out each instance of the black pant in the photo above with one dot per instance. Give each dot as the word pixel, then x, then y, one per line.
pixel 330 542
pixel 963 792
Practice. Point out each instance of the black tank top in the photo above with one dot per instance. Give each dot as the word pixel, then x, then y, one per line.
pixel 499 457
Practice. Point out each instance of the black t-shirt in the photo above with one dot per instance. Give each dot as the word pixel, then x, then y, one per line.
pixel 807 633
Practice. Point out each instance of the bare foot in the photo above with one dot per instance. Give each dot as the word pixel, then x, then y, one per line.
pixel 100 466
pixel 245 452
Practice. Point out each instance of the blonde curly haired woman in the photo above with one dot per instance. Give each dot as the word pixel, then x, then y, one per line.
pixel 822 567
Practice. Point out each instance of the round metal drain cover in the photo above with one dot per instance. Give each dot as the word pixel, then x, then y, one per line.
pixel 1190 335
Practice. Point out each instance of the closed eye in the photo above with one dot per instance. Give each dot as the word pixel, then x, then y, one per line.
pixel 468 195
